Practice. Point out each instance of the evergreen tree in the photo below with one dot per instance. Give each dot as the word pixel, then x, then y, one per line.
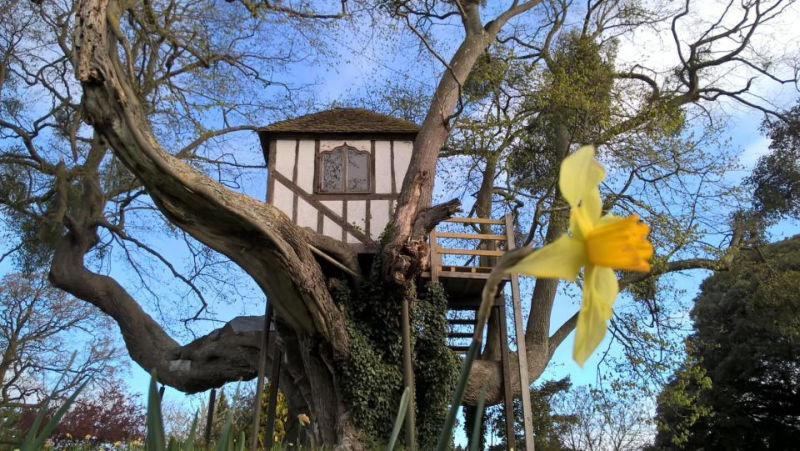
pixel 776 177
pixel 740 387
pixel 547 423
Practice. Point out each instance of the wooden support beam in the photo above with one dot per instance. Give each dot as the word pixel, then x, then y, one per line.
pixel 471 236
pixel 459 335
pixel 505 360
pixel 212 397
pixel 408 378
pixel 272 402
pixel 522 356
pixel 262 369
pixel 436 258
pixel 475 220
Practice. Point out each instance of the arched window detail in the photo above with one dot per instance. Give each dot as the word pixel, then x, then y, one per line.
pixel 344 169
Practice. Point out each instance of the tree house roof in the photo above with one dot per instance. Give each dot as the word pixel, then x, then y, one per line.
pixel 343 121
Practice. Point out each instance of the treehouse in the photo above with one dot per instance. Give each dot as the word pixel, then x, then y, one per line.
pixel 340 172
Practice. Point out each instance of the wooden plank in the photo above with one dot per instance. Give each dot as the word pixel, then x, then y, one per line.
pixel 475 220
pixel 471 236
pixel 391 166
pixel 527 415
pixel 355 196
pixel 271 167
pixel 460 349
pixel 505 360
pixel 460 335
pixel 262 370
pixel 436 258
pixel 408 377
pixel 466 275
pixel 456 268
pixel 462 275
pixel 451 251
pixel 462 322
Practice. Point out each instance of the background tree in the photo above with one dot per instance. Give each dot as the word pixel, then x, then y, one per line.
pixel 40 327
pixel 612 418
pixel 535 95
pixel 746 339
pixel 776 177
pixel 548 423
pixel 107 417
pixel 96 418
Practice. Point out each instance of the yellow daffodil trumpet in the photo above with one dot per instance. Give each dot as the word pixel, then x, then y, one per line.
pixel 599 244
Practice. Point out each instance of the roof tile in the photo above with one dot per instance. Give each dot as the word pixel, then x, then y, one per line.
pixel 343 120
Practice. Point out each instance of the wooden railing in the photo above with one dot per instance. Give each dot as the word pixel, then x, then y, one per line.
pixel 486 245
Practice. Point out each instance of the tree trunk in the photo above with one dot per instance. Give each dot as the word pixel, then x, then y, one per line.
pixel 406 251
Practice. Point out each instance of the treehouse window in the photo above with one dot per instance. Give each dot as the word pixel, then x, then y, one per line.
pixel 344 169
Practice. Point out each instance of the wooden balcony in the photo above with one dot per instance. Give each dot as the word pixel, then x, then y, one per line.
pixel 462 260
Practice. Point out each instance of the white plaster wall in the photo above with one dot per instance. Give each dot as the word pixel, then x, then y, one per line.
pixel 383 167
pixel 305 165
pixel 356 215
pixel 283 199
pixel 379 217
pixel 402 157
pixel 284 157
pixel 329 227
pixel 306 214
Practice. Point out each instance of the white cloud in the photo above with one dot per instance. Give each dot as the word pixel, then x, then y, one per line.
pixel 753 151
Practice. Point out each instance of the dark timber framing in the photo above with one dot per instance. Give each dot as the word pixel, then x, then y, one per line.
pixel 363 236
pixel 332 215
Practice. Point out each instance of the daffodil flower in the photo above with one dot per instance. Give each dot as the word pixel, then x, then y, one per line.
pixel 600 244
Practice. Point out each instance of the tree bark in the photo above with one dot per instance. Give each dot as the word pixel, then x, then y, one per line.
pixel 225 354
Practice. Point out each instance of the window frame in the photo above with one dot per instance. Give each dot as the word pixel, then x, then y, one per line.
pixel 346 150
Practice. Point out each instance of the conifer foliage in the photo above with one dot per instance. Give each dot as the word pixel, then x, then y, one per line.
pixel 740 387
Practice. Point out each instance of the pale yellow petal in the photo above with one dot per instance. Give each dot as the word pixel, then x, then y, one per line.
pixel 608 219
pixel 560 259
pixel 600 288
pixel 585 216
pixel 579 177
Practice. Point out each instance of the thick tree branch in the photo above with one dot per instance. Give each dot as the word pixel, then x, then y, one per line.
pixel 257 236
